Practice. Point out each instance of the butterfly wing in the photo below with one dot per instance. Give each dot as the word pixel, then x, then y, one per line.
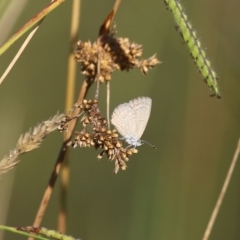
pixel 142 107
pixel 124 119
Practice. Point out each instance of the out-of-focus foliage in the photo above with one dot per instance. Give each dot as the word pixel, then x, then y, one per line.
pixel 3 6
pixel 9 14
pixel 167 193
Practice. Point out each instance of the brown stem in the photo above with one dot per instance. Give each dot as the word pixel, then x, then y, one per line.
pixel 60 159
pixel 71 78
pixel 222 194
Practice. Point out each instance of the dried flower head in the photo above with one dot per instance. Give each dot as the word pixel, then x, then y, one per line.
pixel 111 54
pixel 95 133
pixel 30 141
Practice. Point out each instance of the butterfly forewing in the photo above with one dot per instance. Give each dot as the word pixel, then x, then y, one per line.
pixel 142 107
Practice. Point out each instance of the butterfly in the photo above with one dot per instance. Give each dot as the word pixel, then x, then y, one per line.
pixel 130 119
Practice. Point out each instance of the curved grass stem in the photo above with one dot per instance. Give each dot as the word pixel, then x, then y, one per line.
pixel 222 194
pixel 30 24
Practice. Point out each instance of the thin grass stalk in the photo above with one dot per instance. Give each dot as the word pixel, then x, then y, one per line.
pixel 222 194
pixel 71 79
pixel 20 51
pixel 108 104
pixel 97 76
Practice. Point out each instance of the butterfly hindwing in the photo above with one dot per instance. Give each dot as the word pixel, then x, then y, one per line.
pixel 124 119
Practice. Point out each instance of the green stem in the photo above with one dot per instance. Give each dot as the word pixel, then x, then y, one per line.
pixel 14 230
pixel 30 24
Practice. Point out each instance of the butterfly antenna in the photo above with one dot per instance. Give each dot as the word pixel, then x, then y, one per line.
pixel 149 144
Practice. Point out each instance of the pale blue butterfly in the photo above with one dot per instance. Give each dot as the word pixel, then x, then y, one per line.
pixel 130 119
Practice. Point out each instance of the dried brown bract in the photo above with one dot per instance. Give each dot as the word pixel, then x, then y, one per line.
pixel 96 134
pixel 111 54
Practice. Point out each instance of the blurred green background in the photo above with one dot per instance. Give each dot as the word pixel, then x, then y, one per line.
pixel 165 194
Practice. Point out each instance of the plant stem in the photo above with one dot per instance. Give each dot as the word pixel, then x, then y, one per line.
pixel 30 24
pixel 71 79
pixel 14 230
pixel 60 158
pixel 222 194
